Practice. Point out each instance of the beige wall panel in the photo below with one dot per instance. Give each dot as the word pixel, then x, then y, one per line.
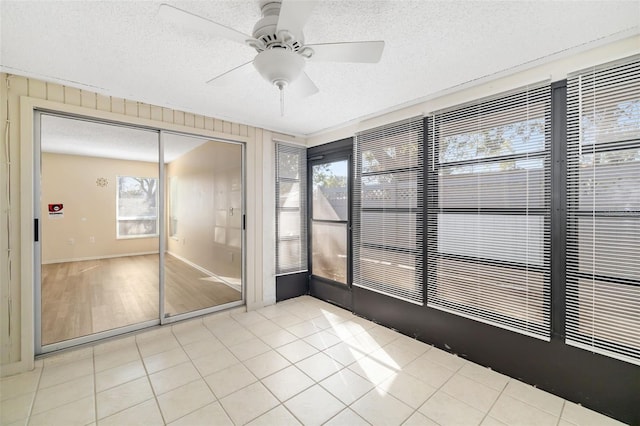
pixel 37 89
pixel 244 130
pixel 178 117
pixel 235 129
pixel 227 127
pixel 198 122
pixel 5 346
pixel 189 120
pixel 156 113
pixel 144 110
pixel 218 125
pixel 208 123
pixel 88 228
pixel 167 115
pixel 55 92
pixel 103 103
pixel 131 108
pixel 72 96
pixel 18 86
pixel 87 99
pixel 117 105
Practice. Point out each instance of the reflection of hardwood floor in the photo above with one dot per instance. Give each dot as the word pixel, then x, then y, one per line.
pixel 81 298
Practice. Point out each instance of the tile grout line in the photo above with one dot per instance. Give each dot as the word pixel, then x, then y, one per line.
pixel 35 394
pixel 564 403
pixel 217 400
pixel 494 402
pixel 95 386
pixel 153 391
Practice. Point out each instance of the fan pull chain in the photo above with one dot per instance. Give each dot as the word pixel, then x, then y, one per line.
pixel 281 101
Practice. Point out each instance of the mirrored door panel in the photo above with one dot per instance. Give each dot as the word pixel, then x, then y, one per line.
pixel 99 221
pixel 203 256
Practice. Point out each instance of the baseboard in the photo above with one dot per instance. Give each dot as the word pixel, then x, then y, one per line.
pixel 111 256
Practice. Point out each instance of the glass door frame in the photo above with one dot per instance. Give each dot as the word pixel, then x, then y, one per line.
pixel 324 288
pixel 39 348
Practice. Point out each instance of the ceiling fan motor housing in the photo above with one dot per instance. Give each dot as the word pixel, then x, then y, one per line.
pixel 265 29
pixel 279 66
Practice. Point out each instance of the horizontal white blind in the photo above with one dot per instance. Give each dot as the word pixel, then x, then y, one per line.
pixel 387 210
pixel 488 211
pixel 603 211
pixel 291 212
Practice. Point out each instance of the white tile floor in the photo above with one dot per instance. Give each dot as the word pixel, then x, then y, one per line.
pixel 302 361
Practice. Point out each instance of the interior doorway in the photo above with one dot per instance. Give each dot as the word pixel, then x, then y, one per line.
pixel 137 227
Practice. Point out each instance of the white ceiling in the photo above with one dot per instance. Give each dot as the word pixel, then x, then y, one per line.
pixel 62 135
pixel 123 49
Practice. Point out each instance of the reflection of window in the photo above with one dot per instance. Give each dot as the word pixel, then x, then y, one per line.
pixel 387 220
pixel 173 206
pixel 603 210
pixel 291 216
pixel 136 205
pixel 488 211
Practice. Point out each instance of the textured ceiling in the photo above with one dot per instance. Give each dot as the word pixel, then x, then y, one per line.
pixel 124 49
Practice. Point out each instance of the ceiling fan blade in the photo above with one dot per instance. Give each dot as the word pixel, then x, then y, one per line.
pixel 294 14
pixel 357 51
pixel 194 22
pixel 303 86
pixel 233 75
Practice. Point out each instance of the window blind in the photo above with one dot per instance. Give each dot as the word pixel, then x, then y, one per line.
pixel 488 211
pixel 291 212
pixel 603 211
pixel 388 210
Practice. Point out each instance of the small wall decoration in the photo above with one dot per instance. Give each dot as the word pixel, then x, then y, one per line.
pixel 56 211
pixel 102 182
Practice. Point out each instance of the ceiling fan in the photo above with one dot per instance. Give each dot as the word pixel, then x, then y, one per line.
pixel 279 41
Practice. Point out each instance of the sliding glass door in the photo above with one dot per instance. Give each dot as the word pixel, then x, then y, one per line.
pixel 203 256
pixel 137 227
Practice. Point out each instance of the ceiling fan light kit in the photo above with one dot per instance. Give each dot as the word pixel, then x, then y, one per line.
pixel 279 41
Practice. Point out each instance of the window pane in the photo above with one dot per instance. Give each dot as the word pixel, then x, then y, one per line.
pixel 462 140
pixel 289 165
pixel 390 190
pixel 389 229
pixel 329 256
pixel 609 246
pixel 515 293
pixel 506 238
pixel 330 197
pixel 395 272
pixel 504 184
pixel 137 206
pixel 291 208
pixel 289 194
pixel 289 224
pixel 132 228
pixel 610 181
